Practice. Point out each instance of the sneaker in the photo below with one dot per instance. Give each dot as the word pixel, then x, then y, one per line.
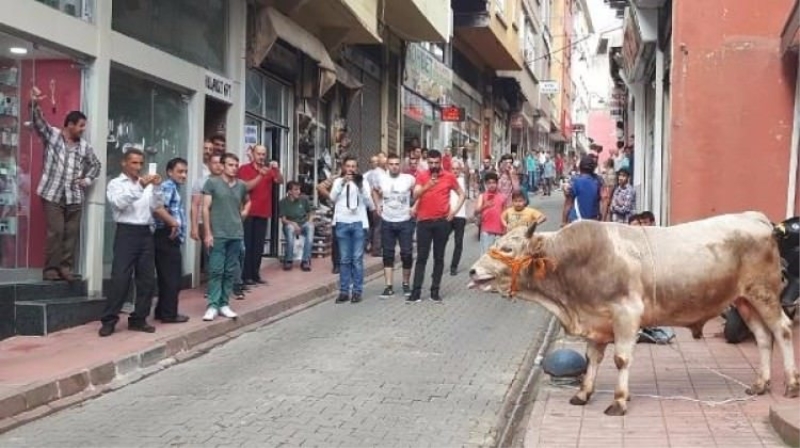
pixel 435 296
pixel 343 298
pixel 414 298
pixel 356 297
pixel 387 292
pixel 406 290
pixel 228 312
pixel 211 313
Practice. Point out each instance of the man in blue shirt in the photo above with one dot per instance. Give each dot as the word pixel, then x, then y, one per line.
pixel 169 236
pixel 582 198
pixel 531 168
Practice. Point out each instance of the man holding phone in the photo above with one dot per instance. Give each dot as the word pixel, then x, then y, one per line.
pixel 434 214
pixel 255 226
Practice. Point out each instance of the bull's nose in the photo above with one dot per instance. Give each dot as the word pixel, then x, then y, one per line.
pixel 472 272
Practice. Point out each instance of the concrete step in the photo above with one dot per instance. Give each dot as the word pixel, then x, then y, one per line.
pixel 44 316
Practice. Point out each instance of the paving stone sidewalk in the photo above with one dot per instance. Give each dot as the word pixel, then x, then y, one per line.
pixel 687 368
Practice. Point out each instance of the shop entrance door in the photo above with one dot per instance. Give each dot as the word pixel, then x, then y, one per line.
pixel 275 138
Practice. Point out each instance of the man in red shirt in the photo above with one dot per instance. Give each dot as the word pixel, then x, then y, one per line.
pixel 255 226
pixel 432 194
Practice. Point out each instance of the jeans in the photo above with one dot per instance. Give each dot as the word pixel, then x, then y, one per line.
pixel 307 232
pixel 433 232
pixel 457 226
pixel 255 234
pixel 350 236
pixel 391 234
pixel 531 181
pixel 223 263
pixel 487 240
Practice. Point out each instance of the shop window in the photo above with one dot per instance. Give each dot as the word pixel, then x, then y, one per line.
pixel 146 116
pixel 194 30
pixel 75 8
pixel 23 65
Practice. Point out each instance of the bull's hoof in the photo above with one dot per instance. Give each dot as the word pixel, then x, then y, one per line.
pixel 792 391
pixel 616 410
pixel 758 388
pixel 576 400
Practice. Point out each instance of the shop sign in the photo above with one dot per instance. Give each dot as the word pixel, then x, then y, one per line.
pixel 219 87
pixel 549 87
pixel 453 113
pixel 426 75
pixel 631 43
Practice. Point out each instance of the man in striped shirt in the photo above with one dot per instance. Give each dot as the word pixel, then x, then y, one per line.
pixel 70 167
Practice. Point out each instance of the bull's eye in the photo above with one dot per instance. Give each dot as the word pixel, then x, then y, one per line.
pixel 506 249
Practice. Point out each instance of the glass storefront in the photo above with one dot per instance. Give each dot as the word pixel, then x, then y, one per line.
pixel 146 116
pixel 22 66
pixel 194 30
pixel 76 8
pixel 418 121
pixel 268 103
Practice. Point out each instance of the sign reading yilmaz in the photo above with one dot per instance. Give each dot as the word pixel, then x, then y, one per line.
pixel 219 87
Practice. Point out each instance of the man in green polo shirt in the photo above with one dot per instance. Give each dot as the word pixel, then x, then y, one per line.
pixel 295 213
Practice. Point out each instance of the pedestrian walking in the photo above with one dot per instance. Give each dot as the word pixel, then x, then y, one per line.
pixel 434 216
pixel 352 195
pixel 70 167
pixel 255 225
pixel 295 213
pixel 549 173
pixel 169 236
pixel 394 196
pixel 488 211
pixel 133 199
pixel 225 206
pixel 459 222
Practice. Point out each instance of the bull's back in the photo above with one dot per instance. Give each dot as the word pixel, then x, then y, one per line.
pixel 699 267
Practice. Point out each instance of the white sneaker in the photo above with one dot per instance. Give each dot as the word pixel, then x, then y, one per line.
pixel 211 313
pixel 228 312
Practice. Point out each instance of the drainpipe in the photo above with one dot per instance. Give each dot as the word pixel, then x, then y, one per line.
pixel 791 192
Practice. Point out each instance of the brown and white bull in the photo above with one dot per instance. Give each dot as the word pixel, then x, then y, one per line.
pixel 605 281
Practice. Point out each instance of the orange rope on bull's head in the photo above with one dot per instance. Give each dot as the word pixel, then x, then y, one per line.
pixel 519 264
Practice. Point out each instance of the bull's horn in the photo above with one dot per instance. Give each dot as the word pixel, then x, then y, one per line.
pixel 531 230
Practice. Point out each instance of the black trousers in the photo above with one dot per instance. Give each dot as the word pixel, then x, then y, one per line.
pixel 133 259
pixel 255 234
pixel 169 264
pixel 457 226
pixel 433 232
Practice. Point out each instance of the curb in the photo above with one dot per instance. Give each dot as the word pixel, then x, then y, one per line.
pixel 783 419
pixel 521 394
pixel 44 398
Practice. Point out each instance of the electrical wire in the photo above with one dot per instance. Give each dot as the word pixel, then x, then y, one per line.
pixel 571 45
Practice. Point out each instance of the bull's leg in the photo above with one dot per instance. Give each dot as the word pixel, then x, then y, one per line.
pixel 625 332
pixel 763 342
pixel 594 353
pixel 767 317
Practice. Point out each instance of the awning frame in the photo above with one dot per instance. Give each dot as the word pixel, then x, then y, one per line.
pixel 270 25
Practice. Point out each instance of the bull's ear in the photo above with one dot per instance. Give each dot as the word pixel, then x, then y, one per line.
pixel 531 230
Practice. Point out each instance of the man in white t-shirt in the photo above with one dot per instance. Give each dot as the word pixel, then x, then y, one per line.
pixel 394 193
pixel 373 176
pixel 459 221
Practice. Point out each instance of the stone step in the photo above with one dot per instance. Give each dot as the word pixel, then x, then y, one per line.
pixel 44 316
pixel 42 290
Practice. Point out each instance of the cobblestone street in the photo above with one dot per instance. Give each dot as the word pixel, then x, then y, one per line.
pixel 380 373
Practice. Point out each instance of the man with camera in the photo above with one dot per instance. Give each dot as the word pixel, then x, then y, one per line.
pixel 352 196
pixel 434 214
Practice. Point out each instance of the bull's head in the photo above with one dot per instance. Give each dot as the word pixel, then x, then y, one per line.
pixel 511 257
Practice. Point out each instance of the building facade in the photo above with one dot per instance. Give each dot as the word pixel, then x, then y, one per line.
pixel 698 149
